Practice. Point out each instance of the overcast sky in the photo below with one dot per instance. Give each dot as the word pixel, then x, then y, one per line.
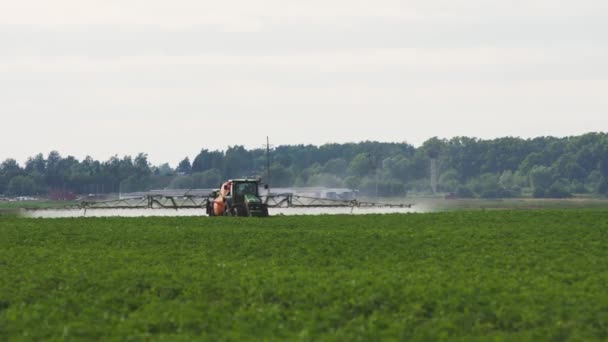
pixel 171 77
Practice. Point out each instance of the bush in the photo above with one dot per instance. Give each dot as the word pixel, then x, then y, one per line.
pixel 488 186
pixel 496 193
pixel 464 192
pixel 538 193
pixel 559 189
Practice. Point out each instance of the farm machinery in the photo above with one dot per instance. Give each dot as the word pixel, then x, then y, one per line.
pixel 239 197
pixel 236 197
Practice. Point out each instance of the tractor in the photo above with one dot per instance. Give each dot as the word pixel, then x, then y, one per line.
pixel 237 197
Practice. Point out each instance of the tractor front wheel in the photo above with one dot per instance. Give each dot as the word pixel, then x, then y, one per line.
pixel 239 211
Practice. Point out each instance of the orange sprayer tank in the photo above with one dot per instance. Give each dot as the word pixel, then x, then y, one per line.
pixel 219 204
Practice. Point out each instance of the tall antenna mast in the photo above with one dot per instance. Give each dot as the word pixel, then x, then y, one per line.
pixel 268 162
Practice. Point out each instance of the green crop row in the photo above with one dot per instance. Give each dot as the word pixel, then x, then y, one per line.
pixel 512 275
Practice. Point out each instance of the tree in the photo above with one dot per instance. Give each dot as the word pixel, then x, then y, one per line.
pixel 433 147
pixel 541 178
pixel 532 160
pixel 21 186
pixel 302 178
pixel 208 179
pixel 181 182
pixel 141 165
pixel 488 186
pixel 449 181
pixel 558 190
pixel 336 166
pixel 567 166
pixel 603 166
pixel 362 165
pixel 603 187
pixel 163 170
pixel 36 164
pixel 184 166
pixel 399 167
pixel 53 170
pixel 464 191
pixel 198 180
pixel 281 176
pixel 207 160
pixel 10 168
pixel 3 184
pixel 512 181
pixel 371 186
pixel 352 182
pixel 237 162
pixel 581 163
pixel 464 155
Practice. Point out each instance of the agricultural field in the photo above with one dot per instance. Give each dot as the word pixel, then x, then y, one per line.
pixel 458 275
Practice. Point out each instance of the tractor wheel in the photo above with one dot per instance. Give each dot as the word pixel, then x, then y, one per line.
pixel 210 208
pixel 248 211
pixel 240 211
pixel 259 211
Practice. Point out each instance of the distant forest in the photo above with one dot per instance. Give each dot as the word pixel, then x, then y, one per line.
pixel 464 167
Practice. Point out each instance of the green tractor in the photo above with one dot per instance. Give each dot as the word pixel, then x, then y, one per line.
pixel 237 197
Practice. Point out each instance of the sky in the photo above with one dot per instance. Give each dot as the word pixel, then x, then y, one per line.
pixel 169 78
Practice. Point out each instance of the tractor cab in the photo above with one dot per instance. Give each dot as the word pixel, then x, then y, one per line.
pixel 240 190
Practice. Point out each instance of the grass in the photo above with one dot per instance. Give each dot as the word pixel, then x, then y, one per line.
pixel 513 203
pixel 484 275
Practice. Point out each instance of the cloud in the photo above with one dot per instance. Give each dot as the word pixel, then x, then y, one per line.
pixel 105 77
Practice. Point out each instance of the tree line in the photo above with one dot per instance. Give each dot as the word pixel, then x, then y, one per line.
pixel 461 166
